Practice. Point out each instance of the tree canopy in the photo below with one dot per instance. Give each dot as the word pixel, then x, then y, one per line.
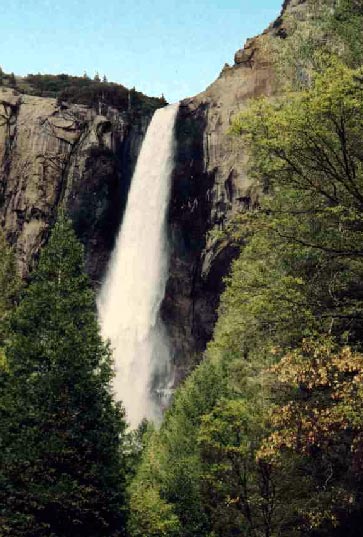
pixel 62 466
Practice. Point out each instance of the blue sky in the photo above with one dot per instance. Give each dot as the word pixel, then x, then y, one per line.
pixel 161 46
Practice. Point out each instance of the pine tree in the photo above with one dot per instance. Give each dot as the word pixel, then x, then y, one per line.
pixel 12 80
pixel 9 282
pixel 61 464
pixel 9 290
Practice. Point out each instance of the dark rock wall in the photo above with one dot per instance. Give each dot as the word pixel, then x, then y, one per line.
pixel 185 309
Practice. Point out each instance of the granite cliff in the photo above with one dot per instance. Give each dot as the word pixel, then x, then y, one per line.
pixel 54 155
pixel 69 155
pixel 211 184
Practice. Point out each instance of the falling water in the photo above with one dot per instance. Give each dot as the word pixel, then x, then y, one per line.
pixel 134 287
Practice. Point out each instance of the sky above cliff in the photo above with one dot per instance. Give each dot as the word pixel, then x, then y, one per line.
pixel 162 46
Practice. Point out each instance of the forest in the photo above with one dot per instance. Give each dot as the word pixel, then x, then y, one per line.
pixel 265 437
pixel 82 90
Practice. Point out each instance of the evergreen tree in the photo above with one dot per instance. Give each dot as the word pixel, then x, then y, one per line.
pixel 9 289
pixel 12 80
pixel 62 472
pixel 9 282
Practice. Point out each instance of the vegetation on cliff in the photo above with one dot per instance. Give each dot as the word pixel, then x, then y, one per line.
pixel 311 34
pixel 83 90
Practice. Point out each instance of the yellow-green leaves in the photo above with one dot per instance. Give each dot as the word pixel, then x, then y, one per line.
pixel 321 418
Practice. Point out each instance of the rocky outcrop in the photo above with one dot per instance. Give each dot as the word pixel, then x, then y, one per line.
pixel 54 156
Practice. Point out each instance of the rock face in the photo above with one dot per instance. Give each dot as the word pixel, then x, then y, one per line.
pixel 210 185
pixel 69 156
pixel 58 156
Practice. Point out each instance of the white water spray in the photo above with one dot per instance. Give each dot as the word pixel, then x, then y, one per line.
pixel 134 287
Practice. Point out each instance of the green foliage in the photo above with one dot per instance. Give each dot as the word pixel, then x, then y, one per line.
pixel 312 34
pixel 237 492
pixel 302 52
pixel 109 94
pixel 263 304
pixel 307 155
pixel 12 80
pixel 9 282
pixel 151 515
pixel 347 23
pixel 62 469
pixel 299 275
pixel 262 440
pixel 169 476
pixel 53 85
pixel 9 290
pixel 83 90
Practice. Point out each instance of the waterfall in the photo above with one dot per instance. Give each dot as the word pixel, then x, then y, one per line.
pixel 134 286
